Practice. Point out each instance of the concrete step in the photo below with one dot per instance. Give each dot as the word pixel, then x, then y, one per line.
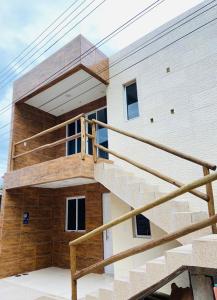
pixel 138 280
pixel 204 251
pixel 180 205
pixel 178 257
pixel 92 296
pixel 156 269
pixel 122 289
pixel 106 293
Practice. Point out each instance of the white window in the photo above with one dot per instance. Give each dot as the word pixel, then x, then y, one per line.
pixel 75 214
pixel 131 98
pixel 141 226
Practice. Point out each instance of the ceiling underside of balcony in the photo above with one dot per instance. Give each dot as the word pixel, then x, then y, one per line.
pixel 68 94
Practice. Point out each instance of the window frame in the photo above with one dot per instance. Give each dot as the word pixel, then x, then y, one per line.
pixel 76 222
pixel 125 85
pixel 135 233
pixel 76 140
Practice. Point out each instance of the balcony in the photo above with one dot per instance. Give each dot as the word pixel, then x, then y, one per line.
pixel 63 171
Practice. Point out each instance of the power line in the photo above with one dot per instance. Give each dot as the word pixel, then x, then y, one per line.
pixel 5 125
pixel 38 37
pixel 170 27
pixel 122 27
pixel 147 57
pixel 47 49
pixel 86 52
pixel 115 63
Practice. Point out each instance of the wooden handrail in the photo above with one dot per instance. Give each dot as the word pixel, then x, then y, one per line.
pixel 147 246
pixel 152 171
pixel 178 192
pixel 63 124
pixel 138 249
pixel 157 145
pixel 62 141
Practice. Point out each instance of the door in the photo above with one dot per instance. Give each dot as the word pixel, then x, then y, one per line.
pixel 107 234
pixel 102 133
pixel 74 146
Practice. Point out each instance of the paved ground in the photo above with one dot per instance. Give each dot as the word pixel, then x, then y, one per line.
pixel 49 284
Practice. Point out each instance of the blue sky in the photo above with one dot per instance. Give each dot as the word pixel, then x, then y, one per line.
pixel 21 21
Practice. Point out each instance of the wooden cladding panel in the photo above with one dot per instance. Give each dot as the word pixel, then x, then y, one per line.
pixel 43 242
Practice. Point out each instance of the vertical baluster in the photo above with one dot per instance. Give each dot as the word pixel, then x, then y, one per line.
pixel 83 138
pixel 94 142
pixel 211 203
pixel 73 271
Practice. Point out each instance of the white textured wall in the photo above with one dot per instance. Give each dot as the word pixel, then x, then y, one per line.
pixel 123 239
pixel 190 89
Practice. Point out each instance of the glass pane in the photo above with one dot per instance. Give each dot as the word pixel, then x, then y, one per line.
pixel 102 133
pixel 132 101
pixel 90 149
pixel 102 115
pixel 71 144
pixel 78 145
pixel 92 116
pixel 71 147
pixel 71 215
pixel 103 154
pixel 78 126
pixel 71 129
pixel 142 225
pixel 81 214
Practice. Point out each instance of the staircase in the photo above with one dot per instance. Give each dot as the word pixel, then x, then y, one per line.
pixel 167 210
pixel 202 252
pixel 133 190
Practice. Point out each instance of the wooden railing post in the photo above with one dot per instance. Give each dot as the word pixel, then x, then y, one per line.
pixel 83 138
pixel 211 202
pixel 73 271
pixel 94 142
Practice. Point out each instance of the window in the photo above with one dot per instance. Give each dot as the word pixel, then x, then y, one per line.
pixel 74 146
pixel 132 100
pixel 141 226
pixel 75 214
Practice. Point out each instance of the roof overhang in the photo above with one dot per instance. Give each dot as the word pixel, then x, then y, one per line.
pixel 73 76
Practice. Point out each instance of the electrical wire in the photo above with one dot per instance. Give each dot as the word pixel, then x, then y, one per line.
pixel 10 64
pixel 179 25
pixel 85 53
pixel 47 49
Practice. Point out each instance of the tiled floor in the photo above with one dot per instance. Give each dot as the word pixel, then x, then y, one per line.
pixel 49 284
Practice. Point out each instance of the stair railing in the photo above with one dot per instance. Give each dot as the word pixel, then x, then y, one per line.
pixel 75 274
pixel 208 196
pixel 182 189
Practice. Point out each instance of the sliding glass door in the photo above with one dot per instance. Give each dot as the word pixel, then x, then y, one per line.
pixel 102 133
pixel 74 146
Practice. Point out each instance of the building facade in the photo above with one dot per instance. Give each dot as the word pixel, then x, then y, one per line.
pixel 162 87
